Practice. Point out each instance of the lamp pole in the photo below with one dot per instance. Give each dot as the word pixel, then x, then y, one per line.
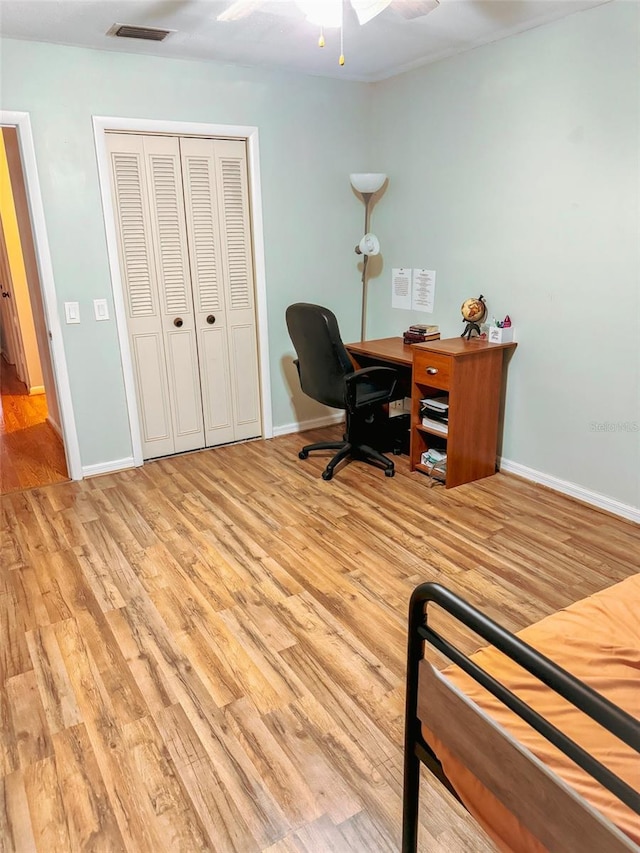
pixel 367 184
pixel 365 260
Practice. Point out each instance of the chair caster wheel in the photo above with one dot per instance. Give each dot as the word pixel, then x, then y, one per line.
pixel 327 475
pixel 389 472
pixel 303 454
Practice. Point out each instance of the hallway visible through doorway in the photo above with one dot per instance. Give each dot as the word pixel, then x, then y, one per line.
pixel 31 452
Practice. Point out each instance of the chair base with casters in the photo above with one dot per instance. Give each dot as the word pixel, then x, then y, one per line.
pixel 350 448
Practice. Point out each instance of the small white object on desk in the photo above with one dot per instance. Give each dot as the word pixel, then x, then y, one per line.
pixel 500 335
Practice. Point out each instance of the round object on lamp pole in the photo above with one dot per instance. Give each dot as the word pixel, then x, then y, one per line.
pixel 369 245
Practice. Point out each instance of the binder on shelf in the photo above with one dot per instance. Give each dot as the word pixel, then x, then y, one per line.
pixel 437 426
pixel 435 408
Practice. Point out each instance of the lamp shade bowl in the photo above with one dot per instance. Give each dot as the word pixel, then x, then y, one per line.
pixel 367 182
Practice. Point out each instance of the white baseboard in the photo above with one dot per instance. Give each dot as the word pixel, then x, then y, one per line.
pixel 55 427
pixel 128 462
pixel 572 489
pixel 36 389
pixel 314 423
pixel 107 467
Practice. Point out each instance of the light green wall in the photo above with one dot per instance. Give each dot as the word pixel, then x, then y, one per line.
pixel 312 134
pixel 514 172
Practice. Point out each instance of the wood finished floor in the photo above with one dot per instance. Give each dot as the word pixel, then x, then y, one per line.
pixel 207 653
pixel 31 452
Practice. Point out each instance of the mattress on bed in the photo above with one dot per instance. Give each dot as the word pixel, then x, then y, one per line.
pixel 598 641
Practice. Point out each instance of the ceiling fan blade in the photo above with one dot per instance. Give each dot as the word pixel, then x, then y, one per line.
pixel 368 9
pixel 414 8
pixel 239 9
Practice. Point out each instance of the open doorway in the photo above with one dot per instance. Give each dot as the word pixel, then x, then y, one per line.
pixel 32 449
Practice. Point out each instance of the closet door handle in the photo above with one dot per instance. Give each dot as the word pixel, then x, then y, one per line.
pixel 211 319
pixel 177 322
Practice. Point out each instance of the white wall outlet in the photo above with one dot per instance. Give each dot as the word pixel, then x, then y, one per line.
pixel 72 312
pixel 100 309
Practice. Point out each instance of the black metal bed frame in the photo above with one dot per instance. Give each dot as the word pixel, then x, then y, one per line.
pixel 417 751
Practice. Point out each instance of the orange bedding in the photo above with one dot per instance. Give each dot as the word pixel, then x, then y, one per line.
pixel 598 641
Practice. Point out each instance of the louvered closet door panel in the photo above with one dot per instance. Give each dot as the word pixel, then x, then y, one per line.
pixel 138 272
pixel 216 390
pixel 237 261
pixel 169 237
pixel 155 416
pixel 207 274
pixel 182 364
pixel 201 204
pixel 246 388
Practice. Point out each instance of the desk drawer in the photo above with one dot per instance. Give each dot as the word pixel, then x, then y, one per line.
pixel 431 368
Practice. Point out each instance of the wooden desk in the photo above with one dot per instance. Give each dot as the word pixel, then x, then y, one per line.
pixel 470 373
pixel 391 350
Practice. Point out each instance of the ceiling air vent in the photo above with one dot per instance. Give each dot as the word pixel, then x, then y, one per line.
pixel 128 31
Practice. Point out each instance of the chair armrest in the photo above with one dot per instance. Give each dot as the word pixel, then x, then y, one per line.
pixel 367 371
pixel 386 378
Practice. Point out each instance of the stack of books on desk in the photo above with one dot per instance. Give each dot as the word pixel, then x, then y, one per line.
pixel 420 332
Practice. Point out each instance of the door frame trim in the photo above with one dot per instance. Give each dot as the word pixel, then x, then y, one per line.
pixel 102 124
pixel 22 122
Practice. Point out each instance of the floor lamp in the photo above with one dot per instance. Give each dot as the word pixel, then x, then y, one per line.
pixel 366 183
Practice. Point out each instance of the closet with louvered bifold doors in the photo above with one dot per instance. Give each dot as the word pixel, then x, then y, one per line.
pixel 184 239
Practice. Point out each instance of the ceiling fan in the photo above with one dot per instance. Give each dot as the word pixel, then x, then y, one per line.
pixel 328 13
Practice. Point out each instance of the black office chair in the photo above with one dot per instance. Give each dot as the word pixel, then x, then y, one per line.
pixel 328 376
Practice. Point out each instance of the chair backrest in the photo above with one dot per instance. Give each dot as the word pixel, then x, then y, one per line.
pixel 323 361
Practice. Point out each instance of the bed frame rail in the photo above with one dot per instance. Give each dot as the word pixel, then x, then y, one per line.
pixel 600 709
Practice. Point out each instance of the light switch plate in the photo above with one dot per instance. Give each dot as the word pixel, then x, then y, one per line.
pixel 100 309
pixel 72 312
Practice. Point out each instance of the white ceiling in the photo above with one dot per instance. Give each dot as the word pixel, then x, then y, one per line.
pixel 278 35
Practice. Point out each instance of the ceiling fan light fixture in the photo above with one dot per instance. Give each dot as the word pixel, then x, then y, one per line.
pixel 322 13
pixel 328 13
